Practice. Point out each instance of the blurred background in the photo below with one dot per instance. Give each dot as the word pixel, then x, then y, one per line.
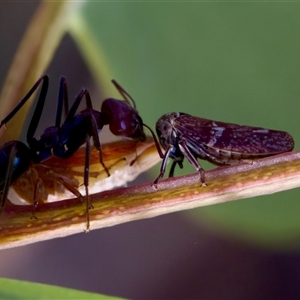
pixel 233 62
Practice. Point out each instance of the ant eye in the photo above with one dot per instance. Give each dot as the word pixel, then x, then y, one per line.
pixel 134 123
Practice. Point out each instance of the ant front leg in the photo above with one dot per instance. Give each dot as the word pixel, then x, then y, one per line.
pixel 96 141
pixel 92 117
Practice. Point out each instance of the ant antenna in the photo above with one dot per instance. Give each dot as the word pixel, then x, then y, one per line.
pixel 123 93
pixel 155 141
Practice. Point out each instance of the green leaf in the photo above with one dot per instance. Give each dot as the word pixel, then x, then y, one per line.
pixel 15 289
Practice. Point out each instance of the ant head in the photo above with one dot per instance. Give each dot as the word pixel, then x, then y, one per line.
pixel 123 119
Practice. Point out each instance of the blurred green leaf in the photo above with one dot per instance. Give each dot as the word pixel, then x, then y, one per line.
pixel 15 289
pixel 235 62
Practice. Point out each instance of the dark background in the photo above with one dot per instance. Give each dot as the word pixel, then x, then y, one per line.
pixel 163 257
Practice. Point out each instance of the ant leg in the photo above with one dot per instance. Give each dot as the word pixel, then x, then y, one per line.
pixel 8 177
pixel 136 156
pixel 64 181
pixel 75 105
pixel 95 127
pixel 66 99
pixel 70 188
pixel 63 101
pixel 38 110
pixel 86 181
pixel 96 141
pixel 123 93
pixel 37 186
pixel 155 141
pixel 43 93
pixel 35 197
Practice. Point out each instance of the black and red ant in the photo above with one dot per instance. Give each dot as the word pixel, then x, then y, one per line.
pixel 63 140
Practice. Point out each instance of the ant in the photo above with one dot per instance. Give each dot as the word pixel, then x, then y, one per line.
pixel 63 140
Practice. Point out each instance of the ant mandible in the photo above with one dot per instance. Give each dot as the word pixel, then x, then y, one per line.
pixel 63 140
